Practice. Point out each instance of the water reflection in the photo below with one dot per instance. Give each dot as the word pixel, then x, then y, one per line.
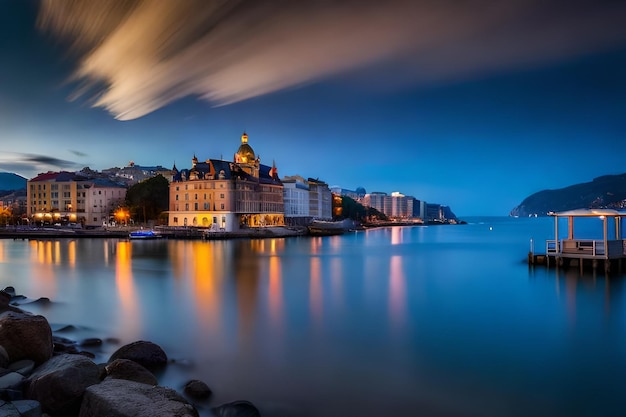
pixel 397 294
pixel 129 303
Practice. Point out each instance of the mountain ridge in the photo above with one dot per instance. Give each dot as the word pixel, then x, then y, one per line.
pixel 606 191
pixel 12 182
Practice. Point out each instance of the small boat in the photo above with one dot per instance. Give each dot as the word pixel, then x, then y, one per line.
pixel 329 228
pixel 144 235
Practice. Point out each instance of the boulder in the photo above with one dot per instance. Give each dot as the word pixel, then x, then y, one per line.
pixel 11 380
pixel 25 336
pixel 123 398
pixel 5 298
pixel 24 367
pixel 236 409
pixel 27 408
pixel 59 384
pixel 4 357
pixel 197 389
pixel 146 354
pixel 131 371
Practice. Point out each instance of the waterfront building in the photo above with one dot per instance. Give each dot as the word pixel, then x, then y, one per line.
pixel 62 197
pixel 320 200
pixel 296 198
pixel 357 195
pixel 226 196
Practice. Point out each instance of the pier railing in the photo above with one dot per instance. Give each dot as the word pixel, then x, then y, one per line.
pixel 586 248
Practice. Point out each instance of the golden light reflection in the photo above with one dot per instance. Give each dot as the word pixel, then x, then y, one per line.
pixel 316 301
pixel 397 293
pixel 56 253
pixel 316 243
pixel 336 281
pixel 41 266
pixel 207 261
pixel 71 253
pixel 125 287
pixel 2 250
pixel 276 293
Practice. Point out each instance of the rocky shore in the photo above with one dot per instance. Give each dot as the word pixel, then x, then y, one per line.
pixel 42 374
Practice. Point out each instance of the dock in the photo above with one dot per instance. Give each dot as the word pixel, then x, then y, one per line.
pixel 608 252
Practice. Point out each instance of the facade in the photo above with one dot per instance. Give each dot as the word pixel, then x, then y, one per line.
pixel 133 173
pixel 226 196
pixel 396 205
pixel 320 200
pixel 66 197
pixel 296 197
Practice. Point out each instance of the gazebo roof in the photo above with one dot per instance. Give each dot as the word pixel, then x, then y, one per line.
pixel 590 213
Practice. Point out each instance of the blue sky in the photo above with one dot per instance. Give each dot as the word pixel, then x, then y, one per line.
pixel 475 105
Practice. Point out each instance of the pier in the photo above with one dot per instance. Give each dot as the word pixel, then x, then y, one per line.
pixel 608 252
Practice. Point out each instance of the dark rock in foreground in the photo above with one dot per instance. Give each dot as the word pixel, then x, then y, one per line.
pixel 131 371
pixel 59 383
pixel 122 398
pixel 197 389
pixel 147 354
pixel 25 336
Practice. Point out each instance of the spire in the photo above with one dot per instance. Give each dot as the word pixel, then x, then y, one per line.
pixel 244 138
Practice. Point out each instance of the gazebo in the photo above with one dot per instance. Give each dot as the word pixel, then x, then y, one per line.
pixel 606 249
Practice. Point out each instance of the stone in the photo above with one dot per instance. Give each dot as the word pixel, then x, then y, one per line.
pixel 59 384
pixel 25 336
pixel 11 380
pixel 197 389
pixel 8 410
pixel 236 409
pixel 28 408
pixel 123 398
pixel 4 357
pixel 131 371
pixel 24 367
pixel 92 341
pixel 147 354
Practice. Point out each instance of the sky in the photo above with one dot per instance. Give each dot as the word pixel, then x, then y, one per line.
pixel 473 104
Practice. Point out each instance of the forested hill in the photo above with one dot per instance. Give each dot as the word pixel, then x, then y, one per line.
pixel 608 191
pixel 11 182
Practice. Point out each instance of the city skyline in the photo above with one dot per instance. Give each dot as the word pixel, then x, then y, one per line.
pixel 473 106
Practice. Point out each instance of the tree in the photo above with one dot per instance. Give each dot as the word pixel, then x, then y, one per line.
pixel 352 209
pixel 148 199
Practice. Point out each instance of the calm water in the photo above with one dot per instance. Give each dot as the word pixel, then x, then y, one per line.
pixel 422 321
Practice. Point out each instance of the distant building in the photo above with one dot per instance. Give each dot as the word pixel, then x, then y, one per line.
pixel 356 195
pixel 296 198
pixel 223 195
pixel 133 173
pixel 320 200
pixel 62 197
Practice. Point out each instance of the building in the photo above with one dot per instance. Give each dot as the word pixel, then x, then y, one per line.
pixel 227 196
pixel 133 173
pixel 67 197
pixel 320 200
pixel 296 198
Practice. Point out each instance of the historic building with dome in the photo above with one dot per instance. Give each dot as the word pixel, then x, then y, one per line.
pixel 227 196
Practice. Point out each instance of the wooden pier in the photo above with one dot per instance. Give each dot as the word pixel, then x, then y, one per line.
pixel 607 253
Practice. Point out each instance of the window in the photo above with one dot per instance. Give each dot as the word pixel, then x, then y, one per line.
pixel 176 218
pixel 195 206
pixel 221 195
pixel 176 197
pixel 222 206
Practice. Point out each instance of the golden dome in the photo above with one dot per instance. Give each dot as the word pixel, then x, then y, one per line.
pixel 245 154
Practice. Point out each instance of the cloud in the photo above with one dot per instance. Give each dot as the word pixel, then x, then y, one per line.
pixel 148 53
pixel 29 165
pixel 77 153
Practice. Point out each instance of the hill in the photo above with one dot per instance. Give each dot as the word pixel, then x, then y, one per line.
pixel 608 191
pixel 10 181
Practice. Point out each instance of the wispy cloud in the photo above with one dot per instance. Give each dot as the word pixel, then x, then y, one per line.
pixel 29 165
pixel 148 53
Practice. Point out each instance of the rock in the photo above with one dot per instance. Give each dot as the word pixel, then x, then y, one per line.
pixel 11 380
pixel 93 341
pixel 24 367
pixel 59 384
pixel 9 290
pixel 123 398
pixel 131 371
pixel 197 389
pixel 25 336
pixel 147 354
pixel 5 298
pixel 28 408
pixel 236 409
pixel 8 410
pixel 4 357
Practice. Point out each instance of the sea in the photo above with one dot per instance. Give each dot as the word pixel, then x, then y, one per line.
pixel 445 320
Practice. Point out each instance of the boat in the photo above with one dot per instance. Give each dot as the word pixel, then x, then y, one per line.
pixel 144 235
pixel 329 228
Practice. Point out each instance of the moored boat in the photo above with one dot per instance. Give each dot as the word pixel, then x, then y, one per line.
pixel 329 228
pixel 144 235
